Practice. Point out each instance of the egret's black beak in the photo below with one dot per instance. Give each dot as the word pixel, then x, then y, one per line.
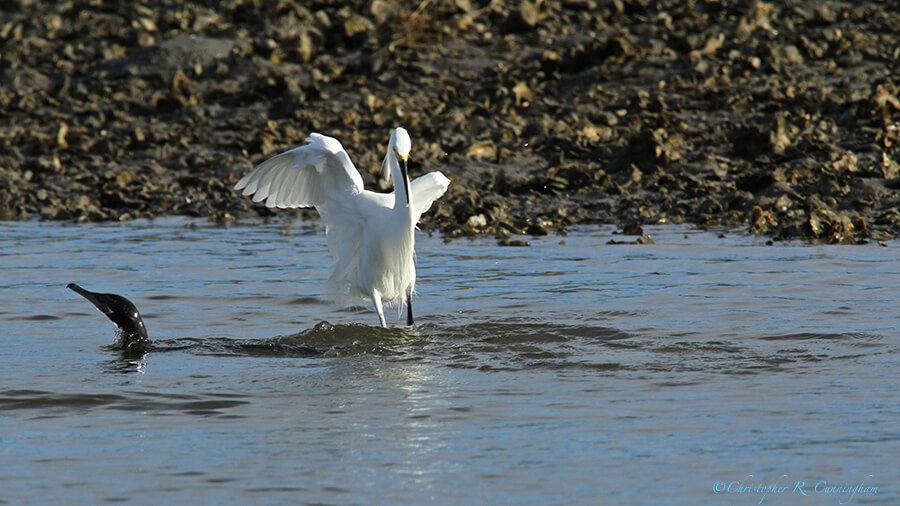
pixel 405 178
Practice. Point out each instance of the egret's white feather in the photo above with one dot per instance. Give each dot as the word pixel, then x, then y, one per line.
pixel 425 190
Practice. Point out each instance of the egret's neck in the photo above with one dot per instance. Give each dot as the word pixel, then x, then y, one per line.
pixel 402 196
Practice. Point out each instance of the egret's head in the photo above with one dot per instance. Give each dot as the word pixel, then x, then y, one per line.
pixel 400 143
pixel 400 146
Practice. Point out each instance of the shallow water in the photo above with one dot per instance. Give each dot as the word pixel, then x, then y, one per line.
pixel 569 372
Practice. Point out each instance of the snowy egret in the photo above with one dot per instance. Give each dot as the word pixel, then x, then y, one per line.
pixel 370 235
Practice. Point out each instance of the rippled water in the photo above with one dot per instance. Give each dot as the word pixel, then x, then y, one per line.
pixel 569 372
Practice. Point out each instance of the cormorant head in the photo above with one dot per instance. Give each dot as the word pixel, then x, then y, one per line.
pixel 121 311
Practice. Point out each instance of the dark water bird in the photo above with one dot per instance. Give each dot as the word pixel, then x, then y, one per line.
pixel 122 312
pixel 134 340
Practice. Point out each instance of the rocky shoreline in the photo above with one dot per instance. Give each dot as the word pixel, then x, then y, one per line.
pixel 782 118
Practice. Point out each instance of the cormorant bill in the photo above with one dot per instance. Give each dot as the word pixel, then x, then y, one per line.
pixel 121 311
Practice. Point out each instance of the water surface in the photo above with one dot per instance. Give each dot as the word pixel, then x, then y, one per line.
pixel 571 371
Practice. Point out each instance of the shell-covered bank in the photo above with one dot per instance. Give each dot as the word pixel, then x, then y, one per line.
pixel 782 118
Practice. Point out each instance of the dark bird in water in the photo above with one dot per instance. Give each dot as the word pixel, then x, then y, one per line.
pixel 134 341
pixel 122 312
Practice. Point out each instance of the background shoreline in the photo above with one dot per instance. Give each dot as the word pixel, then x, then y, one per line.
pixel 780 119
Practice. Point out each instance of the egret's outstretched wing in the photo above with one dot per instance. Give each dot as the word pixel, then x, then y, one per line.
pixel 425 190
pixel 318 174
pixel 306 176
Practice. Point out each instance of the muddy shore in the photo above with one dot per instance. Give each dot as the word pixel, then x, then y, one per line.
pixel 782 118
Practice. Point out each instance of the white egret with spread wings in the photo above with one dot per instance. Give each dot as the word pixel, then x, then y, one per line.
pixel 371 235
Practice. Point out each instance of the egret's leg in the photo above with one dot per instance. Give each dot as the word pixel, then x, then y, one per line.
pixel 409 316
pixel 376 299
